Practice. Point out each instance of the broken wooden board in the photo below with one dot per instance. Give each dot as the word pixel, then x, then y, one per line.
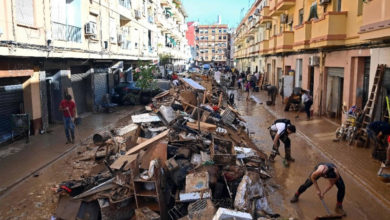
pixel 143 118
pixel 188 97
pixel 128 159
pixel 203 126
pixel 157 151
pixel 146 213
pixel 148 142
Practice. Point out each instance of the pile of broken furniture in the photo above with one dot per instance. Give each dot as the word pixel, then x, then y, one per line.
pixel 189 156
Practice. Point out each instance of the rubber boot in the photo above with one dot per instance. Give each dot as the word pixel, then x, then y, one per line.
pixel 288 155
pixel 295 198
pixel 272 157
pixel 339 210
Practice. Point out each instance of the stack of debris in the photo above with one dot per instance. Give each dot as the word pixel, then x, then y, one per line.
pixel 189 156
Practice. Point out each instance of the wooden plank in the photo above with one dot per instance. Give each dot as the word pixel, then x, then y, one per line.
pixel 122 159
pixel 157 151
pixel 148 142
pixel 203 126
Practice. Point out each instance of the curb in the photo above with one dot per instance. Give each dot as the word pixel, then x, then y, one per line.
pixel 6 190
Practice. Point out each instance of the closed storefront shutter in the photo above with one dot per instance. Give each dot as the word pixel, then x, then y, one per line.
pixel 80 90
pixel 11 101
pixel 100 82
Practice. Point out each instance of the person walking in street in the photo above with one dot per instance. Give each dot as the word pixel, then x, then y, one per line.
pixel 327 171
pixel 68 108
pixel 279 131
pixel 307 103
pixel 247 89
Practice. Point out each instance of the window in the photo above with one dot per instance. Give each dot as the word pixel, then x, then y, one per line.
pixel 225 30
pixel 113 34
pixel 338 5
pixel 125 3
pixel 224 37
pixel 25 12
pixel 220 30
pixel 360 7
pixel 300 16
pixel 149 38
pixel 220 38
pixel 313 11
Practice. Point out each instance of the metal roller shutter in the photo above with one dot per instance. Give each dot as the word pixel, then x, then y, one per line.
pixel 11 98
pixel 101 87
pixel 80 87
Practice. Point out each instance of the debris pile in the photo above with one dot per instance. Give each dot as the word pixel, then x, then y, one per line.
pixel 189 156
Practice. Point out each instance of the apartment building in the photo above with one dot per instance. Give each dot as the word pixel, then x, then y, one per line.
pixel 212 43
pixel 50 47
pixel 330 47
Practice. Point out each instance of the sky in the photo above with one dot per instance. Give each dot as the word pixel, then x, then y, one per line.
pixel 207 11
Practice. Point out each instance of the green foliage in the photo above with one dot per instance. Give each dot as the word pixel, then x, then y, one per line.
pixel 165 59
pixel 143 75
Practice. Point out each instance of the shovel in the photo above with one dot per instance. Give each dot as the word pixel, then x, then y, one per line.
pixel 329 216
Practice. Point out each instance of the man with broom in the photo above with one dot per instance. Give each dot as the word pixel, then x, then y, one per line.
pixel 68 108
pixel 329 172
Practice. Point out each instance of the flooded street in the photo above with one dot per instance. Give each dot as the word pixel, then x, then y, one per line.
pixel 359 203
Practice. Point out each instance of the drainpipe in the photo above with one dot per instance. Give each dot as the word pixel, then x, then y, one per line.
pixel 322 80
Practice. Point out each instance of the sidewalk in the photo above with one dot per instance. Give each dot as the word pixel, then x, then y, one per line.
pixel 320 132
pixel 19 160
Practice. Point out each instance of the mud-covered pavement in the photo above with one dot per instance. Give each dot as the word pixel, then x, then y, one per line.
pixel 359 203
pixel 34 198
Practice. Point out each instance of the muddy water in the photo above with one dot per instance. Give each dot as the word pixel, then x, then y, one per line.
pixel 358 202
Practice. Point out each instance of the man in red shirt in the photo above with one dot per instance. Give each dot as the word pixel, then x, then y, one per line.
pixel 68 107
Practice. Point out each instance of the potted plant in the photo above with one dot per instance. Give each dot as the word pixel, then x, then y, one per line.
pixel 145 80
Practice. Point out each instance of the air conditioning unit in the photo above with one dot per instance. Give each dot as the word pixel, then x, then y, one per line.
pixel 137 14
pixel 257 12
pixel 268 26
pixel 283 18
pixel 324 2
pixel 314 60
pixel 120 38
pixel 90 28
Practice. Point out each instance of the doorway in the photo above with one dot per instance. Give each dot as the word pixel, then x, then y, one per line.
pixel 298 73
pixel 334 92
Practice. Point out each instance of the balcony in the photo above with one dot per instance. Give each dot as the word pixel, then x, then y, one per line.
pixel 272 45
pixel 283 5
pixel 264 47
pixel 375 26
pixel 330 30
pixel 264 16
pixel 272 8
pixel 65 32
pixel 284 42
pixel 302 35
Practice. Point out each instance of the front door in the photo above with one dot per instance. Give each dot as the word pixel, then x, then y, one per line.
pixel 335 87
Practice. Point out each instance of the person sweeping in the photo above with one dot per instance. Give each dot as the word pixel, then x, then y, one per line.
pixel 329 172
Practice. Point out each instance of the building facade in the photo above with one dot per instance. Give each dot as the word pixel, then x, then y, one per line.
pixel 212 44
pixel 190 35
pixel 51 47
pixel 330 47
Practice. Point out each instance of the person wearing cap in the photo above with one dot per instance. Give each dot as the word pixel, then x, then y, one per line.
pixel 330 172
pixel 279 131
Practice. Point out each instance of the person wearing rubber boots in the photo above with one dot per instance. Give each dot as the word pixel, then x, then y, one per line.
pixel 329 172
pixel 279 131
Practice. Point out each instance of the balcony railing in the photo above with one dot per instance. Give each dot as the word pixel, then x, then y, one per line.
pixel 65 32
pixel 329 30
pixel 285 41
pixel 375 26
pixel 302 35
pixel 282 5
pixel 264 47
